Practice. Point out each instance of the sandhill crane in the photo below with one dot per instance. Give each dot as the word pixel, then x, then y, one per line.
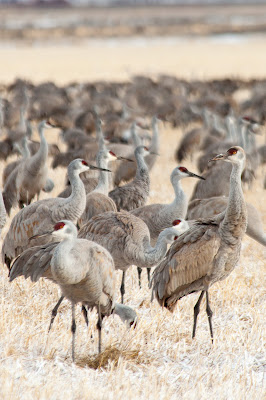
pixel 23 149
pixel 208 251
pixel 206 208
pixel 98 200
pixel 135 193
pixel 128 240
pixel 43 214
pixel 85 273
pixel 30 176
pixel 160 216
pixel 126 171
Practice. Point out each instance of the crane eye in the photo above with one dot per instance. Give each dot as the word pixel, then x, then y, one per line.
pixel 59 225
pixel 232 151
pixel 175 237
pixel 84 163
pixel 182 169
pixel 146 148
pixel 176 222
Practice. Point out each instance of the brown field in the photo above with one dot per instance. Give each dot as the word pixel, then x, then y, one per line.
pixel 157 360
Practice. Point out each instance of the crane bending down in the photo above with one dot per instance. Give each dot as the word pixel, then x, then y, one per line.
pixel 127 238
pixel 84 271
pixel 208 251
pixel 43 214
pixel 159 216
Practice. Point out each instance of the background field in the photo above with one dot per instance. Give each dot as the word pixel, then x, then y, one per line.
pixel 159 359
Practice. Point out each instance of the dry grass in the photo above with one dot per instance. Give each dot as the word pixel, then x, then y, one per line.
pixel 158 359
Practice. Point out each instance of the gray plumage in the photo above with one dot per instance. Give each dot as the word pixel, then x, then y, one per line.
pixel 42 215
pixel 98 200
pixel 29 177
pixel 208 251
pixel 160 216
pixel 83 269
pixel 135 193
pixel 128 239
pixel 206 208
pixel 2 213
pixel 126 171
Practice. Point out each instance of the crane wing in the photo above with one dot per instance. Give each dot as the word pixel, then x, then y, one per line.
pixel 34 263
pixel 188 261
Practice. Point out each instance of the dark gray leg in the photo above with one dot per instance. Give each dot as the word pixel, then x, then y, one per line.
pixel 149 275
pixel 196 313
pixel 122 288
pixel 73 330
pixel 139 275
pixel 209 313
pixel 99 327
pixel 54 312
pixel 85 314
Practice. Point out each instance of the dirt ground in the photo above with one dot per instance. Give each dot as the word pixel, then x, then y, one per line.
pixel 160 360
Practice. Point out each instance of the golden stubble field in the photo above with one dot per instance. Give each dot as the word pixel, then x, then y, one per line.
pixel 158 359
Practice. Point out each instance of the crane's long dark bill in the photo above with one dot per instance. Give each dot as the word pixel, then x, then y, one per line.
pixel 41 235
pixel 125 159
pixel 101 169
pixel 196 176
pixel 218 157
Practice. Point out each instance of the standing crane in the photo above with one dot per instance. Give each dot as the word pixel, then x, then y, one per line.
pixel 208 251
pixel 30 176
pixel 135 193
pixel 43 214
pixel 84 271
pixel 98 200
pixel 127 238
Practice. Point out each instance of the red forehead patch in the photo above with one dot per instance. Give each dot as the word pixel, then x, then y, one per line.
pixel 182 169
pixel 112 153
pixel 176 222
pixel 59 225
pixel 232 151
pixel 84 162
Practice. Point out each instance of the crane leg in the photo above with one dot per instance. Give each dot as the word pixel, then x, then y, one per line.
pixel 196 313
pixel 209 314
pixel 139 275
pixel 122 287
pixel 85 314
pixel 149 275
pixel 54 312
pixel 73 330
pixel 99 327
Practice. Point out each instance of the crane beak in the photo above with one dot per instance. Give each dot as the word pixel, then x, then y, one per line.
pixel 218 157
pixel 40 235
pixel 101 169
pixel 192 175
pixel 124 159
pixel 153 152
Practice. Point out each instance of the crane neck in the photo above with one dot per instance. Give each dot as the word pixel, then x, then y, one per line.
pixel 75 204
pixel 38 160
pixel 235 221
pixel 142 168
pixel 154 146
pixel 153 255
pixel 180 199
pixel 103 182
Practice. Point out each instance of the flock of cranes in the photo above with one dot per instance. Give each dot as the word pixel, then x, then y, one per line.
pixel 102 223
